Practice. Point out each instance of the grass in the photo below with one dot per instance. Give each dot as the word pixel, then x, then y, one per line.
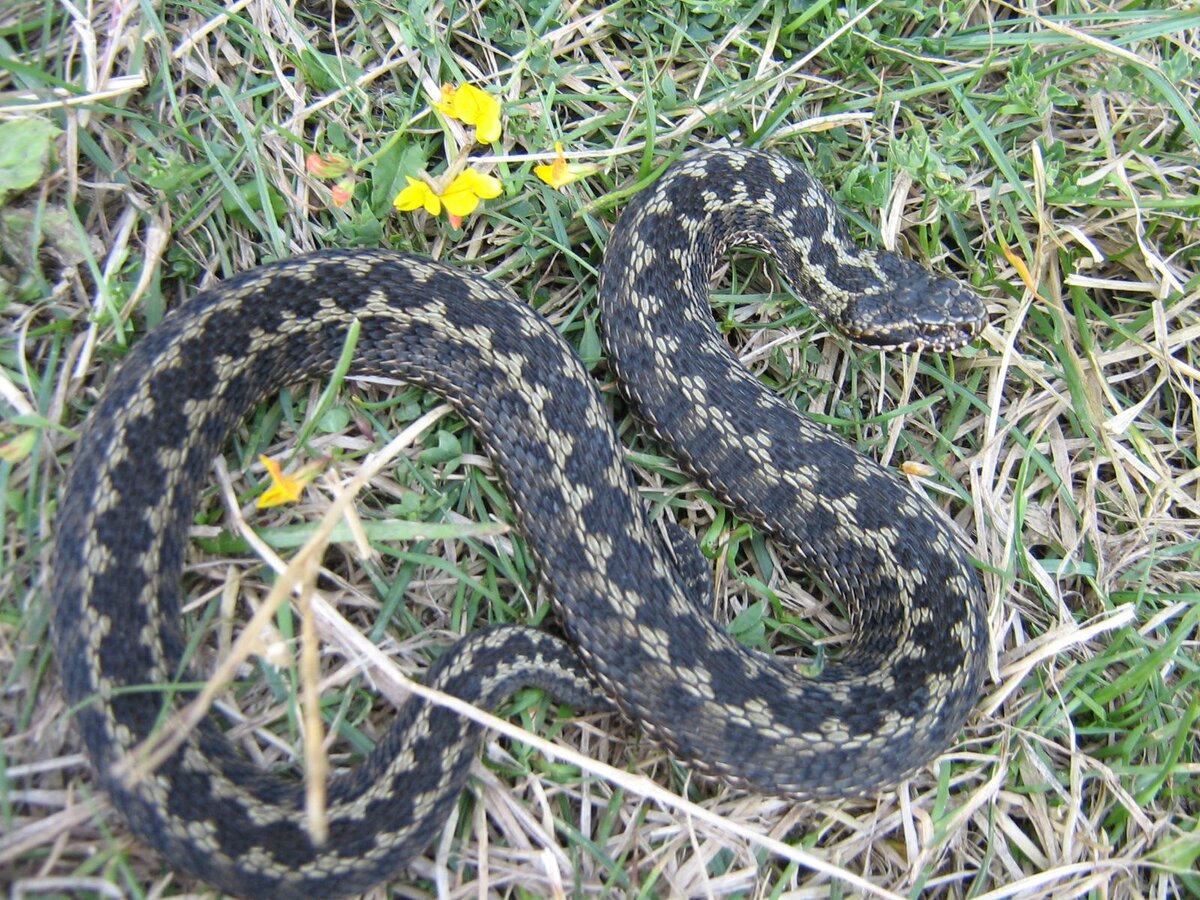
pixel 1046 154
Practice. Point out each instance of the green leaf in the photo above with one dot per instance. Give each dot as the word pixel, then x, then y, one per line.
pixel 448 448
pixel 335 420
pixel 748 626
pixel 388 171
pixel 26 150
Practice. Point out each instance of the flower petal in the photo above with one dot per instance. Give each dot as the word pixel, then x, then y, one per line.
pixel 343 191
pixel 467 189
pixel 472 106
pixel 475 106
pixel 560 172
pixel 283 489
pixel 484 186
pixel 446 105
pixel 460 200
pixel 487 130
pixel 329 165
pixel 418 194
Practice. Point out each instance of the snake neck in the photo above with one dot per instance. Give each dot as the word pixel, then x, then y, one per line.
pixel 715 201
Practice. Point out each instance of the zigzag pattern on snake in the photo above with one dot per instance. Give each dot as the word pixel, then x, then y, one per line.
pixel 627 602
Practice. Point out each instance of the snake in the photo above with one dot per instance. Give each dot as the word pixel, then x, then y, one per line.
pixel 630 597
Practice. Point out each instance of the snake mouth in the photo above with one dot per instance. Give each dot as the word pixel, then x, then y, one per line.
pixel 939 337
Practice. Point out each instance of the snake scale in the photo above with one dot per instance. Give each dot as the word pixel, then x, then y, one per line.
pixel 630 603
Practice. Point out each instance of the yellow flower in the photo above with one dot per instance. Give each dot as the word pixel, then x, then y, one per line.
pixel 560 172
pixel 469 104
pixel 467 189
pixel 418 194
pixel 461 198
pixel 285 488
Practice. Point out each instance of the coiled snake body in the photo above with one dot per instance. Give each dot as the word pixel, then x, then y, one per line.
pixel 628 602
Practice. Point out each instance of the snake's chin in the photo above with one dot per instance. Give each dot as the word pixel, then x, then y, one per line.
pixel 940 339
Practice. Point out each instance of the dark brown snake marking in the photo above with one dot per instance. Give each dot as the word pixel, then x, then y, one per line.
pixel 627 602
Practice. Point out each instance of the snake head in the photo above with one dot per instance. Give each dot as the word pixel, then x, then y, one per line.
pixel 918 310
